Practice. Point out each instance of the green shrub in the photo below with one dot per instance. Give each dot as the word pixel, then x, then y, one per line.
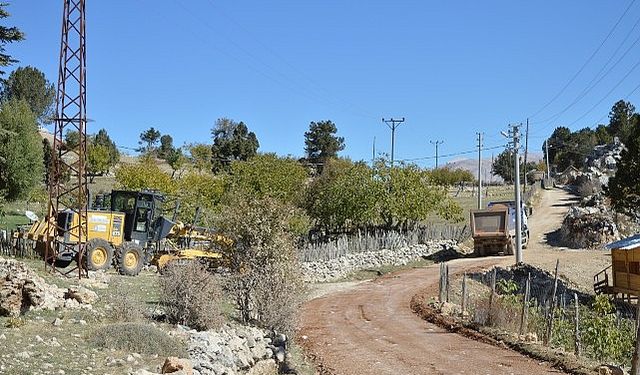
pixel 266 283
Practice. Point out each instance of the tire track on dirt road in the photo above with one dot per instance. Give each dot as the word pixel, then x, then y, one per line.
pixel 371 329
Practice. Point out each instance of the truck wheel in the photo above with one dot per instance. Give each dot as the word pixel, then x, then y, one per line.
pixel 130 259
pixel 98 254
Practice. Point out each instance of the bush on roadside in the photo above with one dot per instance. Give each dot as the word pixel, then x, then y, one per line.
pixel 190 296
pixel 266 283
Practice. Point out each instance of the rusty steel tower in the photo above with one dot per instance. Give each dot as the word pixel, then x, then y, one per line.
pixel 68 190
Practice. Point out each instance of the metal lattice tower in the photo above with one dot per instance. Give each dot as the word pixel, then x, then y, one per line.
pixel 68 182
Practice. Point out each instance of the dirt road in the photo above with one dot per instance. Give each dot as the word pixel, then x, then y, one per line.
pixel 576 265
pixel 370 328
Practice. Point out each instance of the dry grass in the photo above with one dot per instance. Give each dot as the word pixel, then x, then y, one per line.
pixel 124 307
pixel 137 338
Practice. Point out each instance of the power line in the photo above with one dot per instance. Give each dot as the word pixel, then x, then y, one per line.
pixel 318 86
pixel 573 78
pixel 267 70
pixel 460 153
pixel 598 77
pixel 607 94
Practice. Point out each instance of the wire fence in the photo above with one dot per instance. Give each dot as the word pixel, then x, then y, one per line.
pixel 378 239
pixel 537 306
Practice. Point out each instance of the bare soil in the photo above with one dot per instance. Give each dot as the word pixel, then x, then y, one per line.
pixel 370 328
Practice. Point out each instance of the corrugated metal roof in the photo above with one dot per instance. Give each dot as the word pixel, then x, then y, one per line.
pixel 625 244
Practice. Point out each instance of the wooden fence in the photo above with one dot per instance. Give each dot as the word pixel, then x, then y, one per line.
pixel 378 239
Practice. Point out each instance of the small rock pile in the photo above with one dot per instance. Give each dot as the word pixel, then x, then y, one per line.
pixel 234 349
pixel 329 270
pixel 590 225
pixel 21 290
pixel 542 281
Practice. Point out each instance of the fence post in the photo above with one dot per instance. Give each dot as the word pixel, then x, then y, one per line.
pixel 464 294
pixel 525 304
pixel 547 336
pixel 491 296
pixel 577 324
pixel 441 286
pixel 447 280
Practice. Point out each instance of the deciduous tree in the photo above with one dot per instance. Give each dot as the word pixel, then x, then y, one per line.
pixel 98 160
pixel 200 156
pixel 269 175
pixel 145 175
pixel 21 152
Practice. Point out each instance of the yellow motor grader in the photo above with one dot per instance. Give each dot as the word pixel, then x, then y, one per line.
pixel 129 234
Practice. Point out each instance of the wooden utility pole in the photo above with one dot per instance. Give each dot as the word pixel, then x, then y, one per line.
pixel 393 125
pixel 436 143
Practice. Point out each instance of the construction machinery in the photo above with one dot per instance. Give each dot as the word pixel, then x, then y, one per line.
pixel 126 230
pixel 493 229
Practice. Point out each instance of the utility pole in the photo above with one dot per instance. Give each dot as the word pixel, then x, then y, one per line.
pixel 514 133
pixel 526 152
pixel 479 170
pixel 436 143
pixel 373 152
pixel 393 125
pixel 546 147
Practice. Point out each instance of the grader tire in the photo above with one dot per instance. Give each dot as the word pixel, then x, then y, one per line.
pixel 130 259
pixel 98 254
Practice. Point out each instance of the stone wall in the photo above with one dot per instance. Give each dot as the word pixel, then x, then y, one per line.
pixel 339 268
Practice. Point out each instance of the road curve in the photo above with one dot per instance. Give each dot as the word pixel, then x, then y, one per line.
pixel 370 329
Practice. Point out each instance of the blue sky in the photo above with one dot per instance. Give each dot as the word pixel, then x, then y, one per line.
pixel 451 68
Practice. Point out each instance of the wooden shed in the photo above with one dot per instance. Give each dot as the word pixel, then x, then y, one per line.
pixel 625 267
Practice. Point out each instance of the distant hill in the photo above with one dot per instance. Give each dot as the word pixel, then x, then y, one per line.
pixel 471 165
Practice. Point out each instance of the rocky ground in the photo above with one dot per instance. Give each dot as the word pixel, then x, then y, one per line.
pixel 55 325
pixel 591 222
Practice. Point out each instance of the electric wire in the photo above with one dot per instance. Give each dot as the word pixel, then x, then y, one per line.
pixel 319 87
pixel 599 76
pixel 573 78
pixel 268 70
